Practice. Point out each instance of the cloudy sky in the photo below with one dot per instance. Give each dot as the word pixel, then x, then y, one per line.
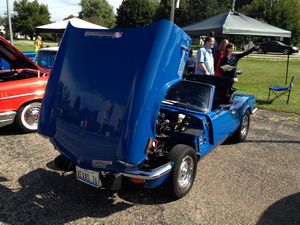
pixel 58 9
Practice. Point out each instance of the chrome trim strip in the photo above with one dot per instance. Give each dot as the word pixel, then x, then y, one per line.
pixel 23 95
pixel 126 164
pixel 151 174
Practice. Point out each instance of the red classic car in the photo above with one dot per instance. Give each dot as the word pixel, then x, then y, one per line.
pixel 22 87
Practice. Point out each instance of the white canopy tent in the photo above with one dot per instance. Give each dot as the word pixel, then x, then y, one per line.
pixel 59 27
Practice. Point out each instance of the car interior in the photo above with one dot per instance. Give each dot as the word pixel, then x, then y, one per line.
pixel 222 85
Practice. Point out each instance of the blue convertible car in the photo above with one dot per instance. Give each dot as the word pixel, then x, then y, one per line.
pixel 117 108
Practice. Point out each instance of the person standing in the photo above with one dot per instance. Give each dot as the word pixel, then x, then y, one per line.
pixel 230 60
pixel 37 43
pixel 191 63
pixel 205 59
pixel 219 56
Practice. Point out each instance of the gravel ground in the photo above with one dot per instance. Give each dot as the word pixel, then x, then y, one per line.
pixel 255 182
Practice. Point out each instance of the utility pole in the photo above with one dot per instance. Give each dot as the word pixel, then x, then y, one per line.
pixel 9 22
pixel 174 3
pixel 233 5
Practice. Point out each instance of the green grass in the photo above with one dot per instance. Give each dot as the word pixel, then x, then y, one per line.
pixel 25 45
pixel 260 73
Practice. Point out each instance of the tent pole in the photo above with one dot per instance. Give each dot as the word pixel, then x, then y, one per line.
pixel 287 68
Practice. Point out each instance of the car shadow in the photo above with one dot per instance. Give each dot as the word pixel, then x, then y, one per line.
pixel 48 197
pixel 10 130
pixel 283 212
pixel 52 197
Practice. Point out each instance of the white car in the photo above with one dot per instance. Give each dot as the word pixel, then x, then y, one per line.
pixel 45 57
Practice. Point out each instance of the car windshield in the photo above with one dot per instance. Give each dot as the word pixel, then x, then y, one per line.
pixel 45 59
pixel 190 95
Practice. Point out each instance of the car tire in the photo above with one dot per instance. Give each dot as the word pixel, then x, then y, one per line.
pixel 242 131
pixel 286 51
pixel 27 117
pixel 260 51
pixel 183 172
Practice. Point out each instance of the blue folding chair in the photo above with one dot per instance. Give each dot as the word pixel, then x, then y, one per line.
pixel 278 91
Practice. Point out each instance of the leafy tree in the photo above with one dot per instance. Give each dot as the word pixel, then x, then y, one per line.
pixel 164 9
pixel 181 16
pixel 240 3
pixel 280 13
pixel 29 15
pixel 201 9
pixel 136 13
pixel 69 17
pixel 97 11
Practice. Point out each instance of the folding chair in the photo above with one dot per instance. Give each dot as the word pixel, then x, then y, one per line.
pixel 278 91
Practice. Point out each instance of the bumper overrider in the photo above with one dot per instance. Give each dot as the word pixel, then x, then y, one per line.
pixel 149 174
pixel 7 118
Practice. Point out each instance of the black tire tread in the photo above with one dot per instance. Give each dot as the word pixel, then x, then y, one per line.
pixel 179 152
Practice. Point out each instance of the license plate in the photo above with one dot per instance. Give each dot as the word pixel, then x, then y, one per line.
pixel 88 176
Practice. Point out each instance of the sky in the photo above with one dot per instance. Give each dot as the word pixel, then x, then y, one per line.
pixel 58 9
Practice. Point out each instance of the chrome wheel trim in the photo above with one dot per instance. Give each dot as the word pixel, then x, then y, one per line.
pixel 244 126
pixel 185 172
pixel 30 116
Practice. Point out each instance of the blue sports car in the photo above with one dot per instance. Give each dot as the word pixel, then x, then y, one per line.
pixel 127 114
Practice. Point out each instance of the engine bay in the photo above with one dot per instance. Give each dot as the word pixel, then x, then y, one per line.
pixel 19 74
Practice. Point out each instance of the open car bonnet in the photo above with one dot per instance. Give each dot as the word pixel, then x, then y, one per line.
pixel 14 57
pixel 106 88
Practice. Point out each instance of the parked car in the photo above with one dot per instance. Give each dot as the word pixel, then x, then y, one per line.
pixel 128 114
pixel 45 57
pixel 29 54
pixel 276 46
pixel 22 86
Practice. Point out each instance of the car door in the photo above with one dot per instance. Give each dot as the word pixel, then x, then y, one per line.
pixel 277 47
pixel 224 122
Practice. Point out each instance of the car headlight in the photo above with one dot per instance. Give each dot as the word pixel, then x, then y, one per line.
pixel 294 48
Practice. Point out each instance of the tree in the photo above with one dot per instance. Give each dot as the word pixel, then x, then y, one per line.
pixel 280 13
pixel 136 13
pixel 192 10
pixel 239 4
pixel 69 17
pixel 97 11
pixel 181 16
pixel 29 15
pixel 202 9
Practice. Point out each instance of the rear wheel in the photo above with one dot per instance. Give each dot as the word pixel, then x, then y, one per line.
pixel 260 51
pixel 184 170
pixel 28 117
pixel 242 132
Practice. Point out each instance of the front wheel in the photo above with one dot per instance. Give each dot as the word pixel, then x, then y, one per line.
pixel 242 131
pixel 28 117
pixel 184 170
pixel 286 52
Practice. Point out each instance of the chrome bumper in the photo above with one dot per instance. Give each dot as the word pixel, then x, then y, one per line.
pixel 149 174
pixel 7 118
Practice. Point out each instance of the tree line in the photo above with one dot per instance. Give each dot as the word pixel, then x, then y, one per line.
pixel 137 13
